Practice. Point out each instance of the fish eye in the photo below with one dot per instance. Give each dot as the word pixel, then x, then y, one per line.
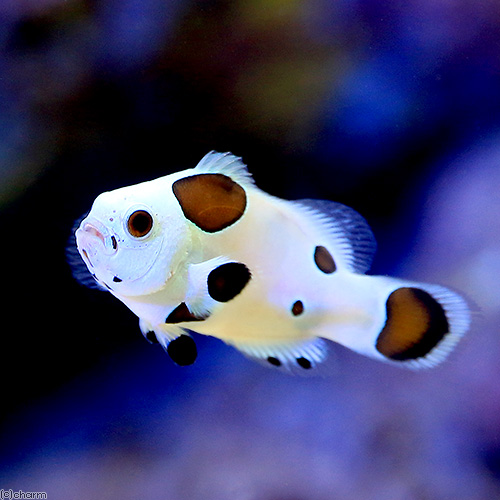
pixel 139 223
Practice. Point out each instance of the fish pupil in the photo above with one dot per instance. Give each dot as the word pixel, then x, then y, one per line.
pixel 139 223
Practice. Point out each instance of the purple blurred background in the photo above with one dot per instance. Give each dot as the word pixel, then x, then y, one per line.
pixel 390 107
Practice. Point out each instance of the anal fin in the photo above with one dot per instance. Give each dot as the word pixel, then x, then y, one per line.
pixel 299 358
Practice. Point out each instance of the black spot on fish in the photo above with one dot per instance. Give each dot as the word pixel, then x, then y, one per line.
pixel 181 313
pixel 182 350
pixel 304 363
pixel 324 260
pixel 227 281
pixel 151 336
pixel 116 279
pixel 113 241
pixel 274 361
pixel 297 308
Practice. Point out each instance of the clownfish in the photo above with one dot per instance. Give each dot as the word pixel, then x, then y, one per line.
pixel 206 250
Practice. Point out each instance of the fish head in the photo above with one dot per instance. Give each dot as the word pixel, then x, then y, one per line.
pixel 134 240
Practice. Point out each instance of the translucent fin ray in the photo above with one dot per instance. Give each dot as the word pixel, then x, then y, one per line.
pixel 227 164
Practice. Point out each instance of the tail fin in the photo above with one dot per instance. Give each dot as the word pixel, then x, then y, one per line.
pixel 423 324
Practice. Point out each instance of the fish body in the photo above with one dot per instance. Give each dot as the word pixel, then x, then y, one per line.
pixel 206 250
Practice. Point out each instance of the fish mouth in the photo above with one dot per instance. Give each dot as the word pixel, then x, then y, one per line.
pixel 93 238
pixel 93 231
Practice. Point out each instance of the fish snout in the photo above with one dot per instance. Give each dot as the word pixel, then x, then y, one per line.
pixel 93 238
pixel 92 230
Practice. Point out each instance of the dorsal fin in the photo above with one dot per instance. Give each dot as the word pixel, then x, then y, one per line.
pixel 349 228
pixel 227 164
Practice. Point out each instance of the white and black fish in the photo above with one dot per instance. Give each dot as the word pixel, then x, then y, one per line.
pixel 206 250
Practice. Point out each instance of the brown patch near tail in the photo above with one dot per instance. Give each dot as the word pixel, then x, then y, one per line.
pixel 211 201
pixel 415 324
